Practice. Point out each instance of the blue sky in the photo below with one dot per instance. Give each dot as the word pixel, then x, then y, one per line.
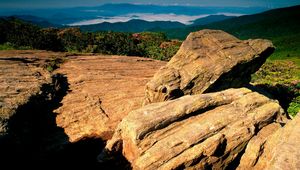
pixel 73 3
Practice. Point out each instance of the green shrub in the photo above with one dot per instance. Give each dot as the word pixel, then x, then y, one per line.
pixel 54 63
pixel 7 46
pixel 116 43
pixel 294 108
pixel 16 34
pixel 153 52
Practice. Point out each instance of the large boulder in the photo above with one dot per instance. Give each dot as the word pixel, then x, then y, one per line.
pixel 279 150
pixel 208 61
pixel 206 131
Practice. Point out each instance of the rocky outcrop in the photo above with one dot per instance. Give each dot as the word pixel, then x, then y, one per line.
pixel 21 77
pixel 28 94
pixel 277 150
pixel 97 92
pixel 102 90
pixel 206 131
pixel 207 61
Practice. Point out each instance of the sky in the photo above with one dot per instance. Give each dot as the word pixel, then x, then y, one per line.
pixel 25 4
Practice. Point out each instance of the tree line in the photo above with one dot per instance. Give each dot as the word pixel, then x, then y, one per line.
pixel 20 34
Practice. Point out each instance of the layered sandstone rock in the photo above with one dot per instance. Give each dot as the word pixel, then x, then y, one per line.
pixel 102 90
pixel 278 150
pixel 21 77
pixel 207 61
pixel 199 131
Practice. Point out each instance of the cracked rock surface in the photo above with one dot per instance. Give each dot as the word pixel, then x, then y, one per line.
pixel 206 131
pixel 102 90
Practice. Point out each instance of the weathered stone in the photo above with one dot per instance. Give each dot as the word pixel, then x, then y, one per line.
pixel 199 131
pixel 207 61
pixel 279 150
pixel 102 90
pixel 21 77
pixel 28 93
pixel 255 146
pixel 90 94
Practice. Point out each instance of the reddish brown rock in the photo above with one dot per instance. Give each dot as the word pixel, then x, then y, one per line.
pixel 198 132
pixel 21 76
pixel 207 61
pixel 102 90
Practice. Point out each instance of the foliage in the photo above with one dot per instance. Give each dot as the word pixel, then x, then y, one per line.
pixel 7 46
pixel 281 26
pixel 49 40
pixel 116 43
pixel 72 39
pixel 16 34
pixel 277 72
pixel 53 63
pixel 10 46
pixel 282 79
pixel 294 106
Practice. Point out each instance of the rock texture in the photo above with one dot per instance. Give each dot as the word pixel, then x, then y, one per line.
pixel 102 90
pixel 207 61
pixel 21 77
pixel 206 131
pixel 279 150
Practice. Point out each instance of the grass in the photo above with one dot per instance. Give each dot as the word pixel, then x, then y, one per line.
pixel 9 46
pixel 287 48
pixel 6 46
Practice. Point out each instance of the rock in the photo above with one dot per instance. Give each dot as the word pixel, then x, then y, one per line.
pixel 208 61
pixel 255 146
pixel 206 131
pixel 27 92
pixel 21 78
pixel 102 90
pixel 279 150
pixel 89 94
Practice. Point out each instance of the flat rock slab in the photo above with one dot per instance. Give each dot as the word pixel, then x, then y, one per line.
pixel 206 131
pixel 21 77
pixel 102 90
pixel 208 61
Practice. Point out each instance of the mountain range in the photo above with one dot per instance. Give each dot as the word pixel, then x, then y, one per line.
pixel 134 25
pixel 282 21
pixel 282 25
pixel 67 16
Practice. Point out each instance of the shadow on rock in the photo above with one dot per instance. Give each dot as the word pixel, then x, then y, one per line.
pixel 283 93
pixel 34 137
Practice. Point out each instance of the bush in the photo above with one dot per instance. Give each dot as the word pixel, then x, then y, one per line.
pixel 49 40
pixel 16 34
pixel 294 106
pixel 19 33
pixel 72 39
pixel 116 43
pixel 7 46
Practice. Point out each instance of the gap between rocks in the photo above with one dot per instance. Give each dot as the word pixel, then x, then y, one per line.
pixel 35 138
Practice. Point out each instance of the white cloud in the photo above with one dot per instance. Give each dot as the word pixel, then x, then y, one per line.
pixel 185 19
pixel 229 14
